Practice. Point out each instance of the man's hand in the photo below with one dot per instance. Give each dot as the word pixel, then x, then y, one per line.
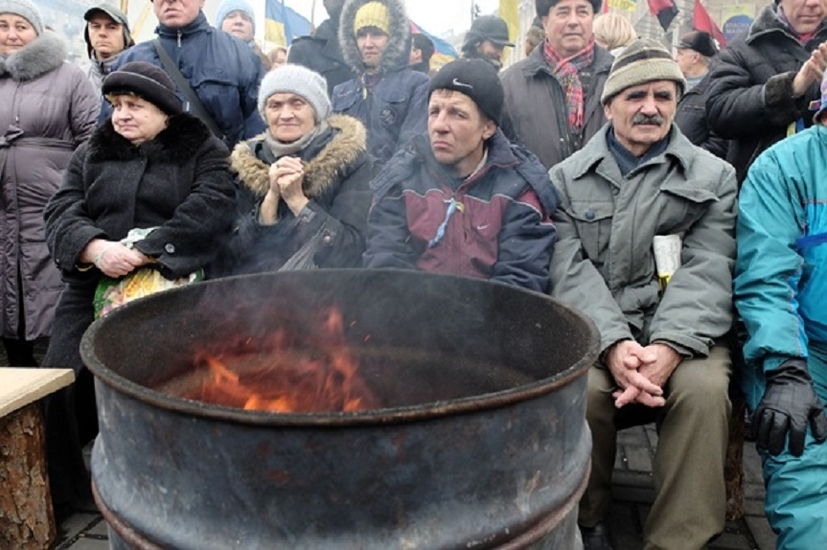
pixel 789 404
pixel 811 72
pixel 625 359
pixel 112 258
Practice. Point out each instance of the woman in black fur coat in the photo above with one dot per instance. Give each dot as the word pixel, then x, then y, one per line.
pixel 149 166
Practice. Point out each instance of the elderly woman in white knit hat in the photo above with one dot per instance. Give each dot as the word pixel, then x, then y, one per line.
pixel 145 205
pixel 47 109
pixel 304 194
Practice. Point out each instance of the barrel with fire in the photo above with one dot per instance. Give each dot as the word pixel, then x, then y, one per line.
pixel 342 409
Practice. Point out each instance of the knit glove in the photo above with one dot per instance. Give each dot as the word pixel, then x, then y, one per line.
pixel 788 405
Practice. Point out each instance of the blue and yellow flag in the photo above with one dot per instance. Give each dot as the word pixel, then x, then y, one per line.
pixel 282 25
pixel 443 51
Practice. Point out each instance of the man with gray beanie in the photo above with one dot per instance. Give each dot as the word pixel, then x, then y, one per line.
pixel 107 36
pixel 463 200
pixel 552 97
pixel 646 249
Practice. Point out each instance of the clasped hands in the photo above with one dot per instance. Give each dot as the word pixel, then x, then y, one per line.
pixel 286 180
pixel 641 372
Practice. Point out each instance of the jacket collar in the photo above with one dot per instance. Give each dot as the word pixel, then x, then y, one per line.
pixel 596 152
pixel 178 142
pixel 40 56
pixel 199 24
pixel 349 142
pixel 768 22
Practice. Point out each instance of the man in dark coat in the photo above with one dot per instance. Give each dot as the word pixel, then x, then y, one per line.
pixel 487 39
pixel 321 51
pixel 223 71
pixel 552 98
pixel 694 54
pixel 422 49
pixel 463 200
pixel 763 82
pixel 387 96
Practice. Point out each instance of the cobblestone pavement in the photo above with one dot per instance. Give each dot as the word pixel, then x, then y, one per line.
pixel 632 491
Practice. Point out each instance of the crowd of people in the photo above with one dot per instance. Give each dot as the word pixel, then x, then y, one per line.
pixel 670 197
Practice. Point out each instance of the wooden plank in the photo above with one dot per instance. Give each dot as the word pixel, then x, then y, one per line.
pixel 22 386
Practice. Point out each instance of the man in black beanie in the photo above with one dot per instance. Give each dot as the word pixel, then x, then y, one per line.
pixel 463 200
pixel 321 52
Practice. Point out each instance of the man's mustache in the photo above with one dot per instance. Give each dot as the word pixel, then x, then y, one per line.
pixel 655 120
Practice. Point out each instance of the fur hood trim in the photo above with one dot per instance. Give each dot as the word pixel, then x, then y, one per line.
pixel 45 53
pixel 178 142
pixel 396 54
pixel 349 142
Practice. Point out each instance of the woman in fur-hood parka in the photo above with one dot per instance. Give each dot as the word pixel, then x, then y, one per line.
pixel 390 99
pixel 304 184
pixel 48 109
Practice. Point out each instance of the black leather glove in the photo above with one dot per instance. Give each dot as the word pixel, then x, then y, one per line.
pixel 788 405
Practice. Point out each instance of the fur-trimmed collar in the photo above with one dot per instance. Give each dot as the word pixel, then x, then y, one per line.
pixel 396 54
pixel 40 56
pixel 178 142
pixel 349 142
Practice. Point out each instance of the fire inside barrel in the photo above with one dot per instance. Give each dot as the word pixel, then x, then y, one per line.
pixel 282 375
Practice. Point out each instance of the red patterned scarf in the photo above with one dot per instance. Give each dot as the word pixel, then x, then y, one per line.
pixel 565 70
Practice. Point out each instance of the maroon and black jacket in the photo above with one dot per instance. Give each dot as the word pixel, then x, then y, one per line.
pixel 495 225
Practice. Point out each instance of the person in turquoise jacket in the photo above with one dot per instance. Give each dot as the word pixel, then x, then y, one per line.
pixel 781 295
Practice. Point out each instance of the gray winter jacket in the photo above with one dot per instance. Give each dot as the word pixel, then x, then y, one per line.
pixel 48 108
pixel 604 263
pixel 536 105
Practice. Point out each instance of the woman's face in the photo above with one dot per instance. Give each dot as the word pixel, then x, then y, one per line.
pixel 15 32
pixel 289 117
pixel 136 119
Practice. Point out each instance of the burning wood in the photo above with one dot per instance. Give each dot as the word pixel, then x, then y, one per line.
pixel 285 378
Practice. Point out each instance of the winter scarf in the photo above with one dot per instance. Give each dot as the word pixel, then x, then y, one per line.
pixel 566 71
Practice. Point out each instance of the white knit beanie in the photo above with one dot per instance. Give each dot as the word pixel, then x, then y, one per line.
pixel 298 80
pixel 25 9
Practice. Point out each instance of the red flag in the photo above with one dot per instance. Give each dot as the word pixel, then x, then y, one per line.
pixel 604 8
pixel 702 21
pixel 664 10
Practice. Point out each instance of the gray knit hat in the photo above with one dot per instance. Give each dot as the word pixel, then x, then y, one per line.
pixel 295 79
pixel 25 9
pixel 644 60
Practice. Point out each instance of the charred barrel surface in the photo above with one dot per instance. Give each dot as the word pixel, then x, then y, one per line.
pixel 480 439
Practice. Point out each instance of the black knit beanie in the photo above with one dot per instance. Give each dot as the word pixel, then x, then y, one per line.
pixel 475 78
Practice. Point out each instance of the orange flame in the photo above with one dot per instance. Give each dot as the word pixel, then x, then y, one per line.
pixel 284 378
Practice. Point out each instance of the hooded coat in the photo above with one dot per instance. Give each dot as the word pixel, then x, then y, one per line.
pixel 396 108
pixel 48 108
pixel 750 96
pixel 333 224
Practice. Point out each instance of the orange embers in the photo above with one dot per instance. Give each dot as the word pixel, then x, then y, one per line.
pixel 287 378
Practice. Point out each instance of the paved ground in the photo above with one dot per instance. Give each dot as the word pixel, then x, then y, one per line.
pixel 633 496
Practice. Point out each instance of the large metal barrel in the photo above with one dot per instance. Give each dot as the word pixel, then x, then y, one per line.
pixel 480 441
